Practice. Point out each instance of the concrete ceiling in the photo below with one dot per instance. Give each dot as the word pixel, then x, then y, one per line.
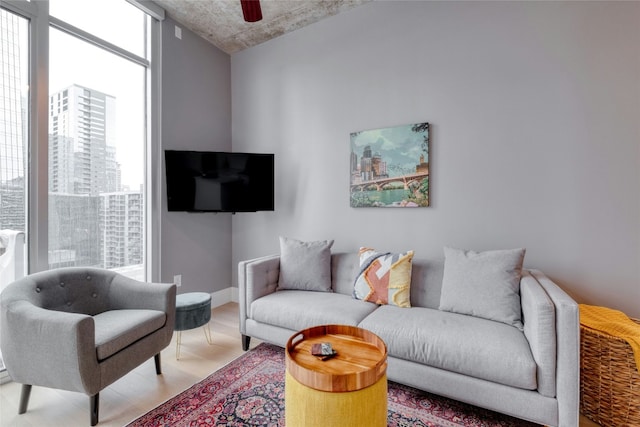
pixel 221 22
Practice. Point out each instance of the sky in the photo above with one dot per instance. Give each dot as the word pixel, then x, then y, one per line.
pixel 75 61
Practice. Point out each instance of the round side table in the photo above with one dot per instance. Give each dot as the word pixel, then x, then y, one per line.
pixel 348 389
pixel 193 309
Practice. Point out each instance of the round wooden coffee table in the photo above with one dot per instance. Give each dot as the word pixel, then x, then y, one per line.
pixel 347 389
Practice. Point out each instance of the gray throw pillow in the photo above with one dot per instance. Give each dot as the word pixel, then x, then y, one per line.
pixel 483 284
pixel 305 266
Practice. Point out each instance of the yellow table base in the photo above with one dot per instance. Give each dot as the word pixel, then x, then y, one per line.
pixel 307 407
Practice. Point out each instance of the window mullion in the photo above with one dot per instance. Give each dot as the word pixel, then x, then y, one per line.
pixel 37 176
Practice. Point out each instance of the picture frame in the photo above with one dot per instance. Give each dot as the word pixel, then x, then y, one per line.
pixel 389 167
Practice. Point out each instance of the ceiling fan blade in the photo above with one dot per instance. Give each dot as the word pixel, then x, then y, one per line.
pixel 251 10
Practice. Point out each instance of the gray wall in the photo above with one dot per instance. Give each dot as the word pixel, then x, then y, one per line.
pixel 534 108
pixel 196 115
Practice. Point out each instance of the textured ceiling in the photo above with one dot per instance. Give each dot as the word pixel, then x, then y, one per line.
pixel 221 22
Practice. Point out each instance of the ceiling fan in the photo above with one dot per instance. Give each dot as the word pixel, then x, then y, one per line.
pixel 251 10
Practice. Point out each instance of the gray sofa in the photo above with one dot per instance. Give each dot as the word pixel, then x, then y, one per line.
pixel 532 374
pixel 81 329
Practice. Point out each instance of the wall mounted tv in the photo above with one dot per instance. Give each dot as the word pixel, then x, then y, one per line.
pixel 207 181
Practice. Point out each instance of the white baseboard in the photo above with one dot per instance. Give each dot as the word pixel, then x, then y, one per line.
pixel 4 377
pixel 224 296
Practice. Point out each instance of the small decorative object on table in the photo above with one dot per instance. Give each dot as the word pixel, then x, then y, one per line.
pixel 323 350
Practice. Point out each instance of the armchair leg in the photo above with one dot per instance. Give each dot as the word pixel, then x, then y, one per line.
pixel 246 340
pixel 95 407
pixel 24 398
pixel 156 358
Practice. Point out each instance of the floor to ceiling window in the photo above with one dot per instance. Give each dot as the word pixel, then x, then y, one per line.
pixel 78 98
pixel 97 123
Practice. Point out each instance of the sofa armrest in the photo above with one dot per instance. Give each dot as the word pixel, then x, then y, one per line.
pixel 49 348
pixel 568 350
pixel 538 317
pixel 256 278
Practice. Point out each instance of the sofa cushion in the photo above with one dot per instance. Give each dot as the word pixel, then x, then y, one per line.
pixel 384 277
pixel 483 284
pixel 298 310
pixel 467 345
pixel 305 266
pixel 117 329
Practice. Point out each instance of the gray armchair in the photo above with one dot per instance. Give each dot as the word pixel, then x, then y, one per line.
pixel 81 329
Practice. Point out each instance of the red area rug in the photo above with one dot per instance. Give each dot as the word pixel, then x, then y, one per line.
pixel 249 391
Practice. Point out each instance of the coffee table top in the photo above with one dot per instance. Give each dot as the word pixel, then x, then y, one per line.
pixel 361 358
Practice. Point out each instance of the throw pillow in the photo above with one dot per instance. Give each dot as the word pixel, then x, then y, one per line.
pixel 305 266
pixel 384 277
pixel 483 284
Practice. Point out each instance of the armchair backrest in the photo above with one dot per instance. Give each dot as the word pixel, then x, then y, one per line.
pixel 72 289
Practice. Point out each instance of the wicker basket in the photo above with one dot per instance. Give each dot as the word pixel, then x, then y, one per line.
pixel 609 380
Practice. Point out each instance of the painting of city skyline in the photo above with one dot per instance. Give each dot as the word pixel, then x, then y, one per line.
pixel 390 167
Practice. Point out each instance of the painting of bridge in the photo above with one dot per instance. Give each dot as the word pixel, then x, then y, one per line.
pixel 390 167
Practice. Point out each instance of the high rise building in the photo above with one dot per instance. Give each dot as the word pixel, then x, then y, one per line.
pixel 93 221
pixel 61 164
pixel 121 222
pixel 82 124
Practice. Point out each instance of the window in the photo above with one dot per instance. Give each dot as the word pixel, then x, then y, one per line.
pixel 97 139
pixel 14 121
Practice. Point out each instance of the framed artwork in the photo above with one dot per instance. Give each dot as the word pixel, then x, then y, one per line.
pixel 390 167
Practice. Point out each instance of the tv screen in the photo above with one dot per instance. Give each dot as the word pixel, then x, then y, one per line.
pixel 208 181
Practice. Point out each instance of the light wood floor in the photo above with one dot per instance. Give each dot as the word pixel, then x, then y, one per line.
pixel 141 390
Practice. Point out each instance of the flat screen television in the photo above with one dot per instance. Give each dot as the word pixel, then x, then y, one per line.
pixel 210 181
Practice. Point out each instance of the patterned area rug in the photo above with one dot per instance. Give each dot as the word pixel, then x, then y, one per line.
pixel 249 391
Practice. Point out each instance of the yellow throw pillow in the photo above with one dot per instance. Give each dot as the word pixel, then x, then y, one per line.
pixel 384 277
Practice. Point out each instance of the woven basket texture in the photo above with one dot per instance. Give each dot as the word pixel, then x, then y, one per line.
pixel 609 379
